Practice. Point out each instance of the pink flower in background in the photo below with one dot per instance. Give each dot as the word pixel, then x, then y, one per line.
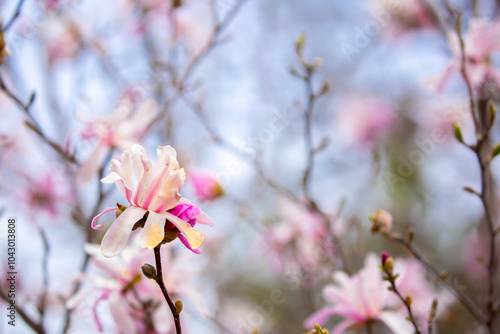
pixel 403 16
pixel 412 282
pixel 361 298
pixel 205 185
pixel 301 241
pixel 155 193
pixel 482 40
pixel 364 120
pixel 123 128
pixel 46 193
pixel 134 302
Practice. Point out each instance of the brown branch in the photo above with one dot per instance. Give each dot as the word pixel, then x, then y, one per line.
pixel 36 326
pixel 483 150
pixel 469 304
pixel 159 281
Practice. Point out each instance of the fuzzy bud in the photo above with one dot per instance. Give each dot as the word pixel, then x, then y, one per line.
pixel 149 271
pixel 381 221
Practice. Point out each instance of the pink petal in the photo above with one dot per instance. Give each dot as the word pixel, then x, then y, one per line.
pixel 204 219
pixel 100 226
pixel 194 237
pixel 142 170
pixel 320 317
pixel 343 326
pixel 90 167
pixel 118 234
pixel 121 315
pixel 184 240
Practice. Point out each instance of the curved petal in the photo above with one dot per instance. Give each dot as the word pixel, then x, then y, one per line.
pixel 120 172
pixel 320 317
pixel 142 169
pixel 118 234
pixel 343 326
pixel 100 226
pixel 154 230
pixel 121 315
pixel 194 237
pixel 204 219
pixel 184 240
pixel 397 322
pixel 90 167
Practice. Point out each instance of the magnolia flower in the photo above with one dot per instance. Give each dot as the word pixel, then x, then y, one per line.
pixel 301 241
pixel 360 299
pixel 482 40
pixel 363 120
pixel 134 302
pixel 206 186
pixel 121 130
pixel 154 197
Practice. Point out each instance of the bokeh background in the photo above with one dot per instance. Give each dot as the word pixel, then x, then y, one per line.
pixel 221 74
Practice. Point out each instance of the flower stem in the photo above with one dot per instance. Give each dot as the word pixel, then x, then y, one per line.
pixel 159 281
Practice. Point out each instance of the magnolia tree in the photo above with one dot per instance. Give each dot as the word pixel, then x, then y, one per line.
pixel 340 154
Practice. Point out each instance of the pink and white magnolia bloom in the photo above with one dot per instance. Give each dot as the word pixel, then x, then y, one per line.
pixel 363 119
pixel 134 302
pixel 154 196
pixel 361 298
pixel 482 40
pixel 206 186
pixel 124 127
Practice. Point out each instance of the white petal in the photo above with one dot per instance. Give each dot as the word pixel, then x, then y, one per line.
pixel 118 234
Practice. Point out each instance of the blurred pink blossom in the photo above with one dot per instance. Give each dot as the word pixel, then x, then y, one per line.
pixel 135 304
pixel 123 128
pixel 403 16
pixel 301 241
pixel 364 297
pixel 45 193
pixel 364 119
pixel 482 40
pixel 206 186
pixel 156 192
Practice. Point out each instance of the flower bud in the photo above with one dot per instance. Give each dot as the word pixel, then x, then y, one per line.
pixel 381 221
pixel 387 261
pixel 178 306
pixel 149 271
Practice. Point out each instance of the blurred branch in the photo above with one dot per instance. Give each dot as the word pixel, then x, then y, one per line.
pixel 470 305
pixel 484 154
pixel 213 40
pixel 45 273
pixel 432 316
pixel 15 16
pixel 33 124
pixel 36 326
pixel 387 268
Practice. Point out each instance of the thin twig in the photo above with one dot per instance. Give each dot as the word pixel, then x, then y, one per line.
pixel 36 326
pixel 159 281
pixel 469 304
pixel 15 16
pixel 483 150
